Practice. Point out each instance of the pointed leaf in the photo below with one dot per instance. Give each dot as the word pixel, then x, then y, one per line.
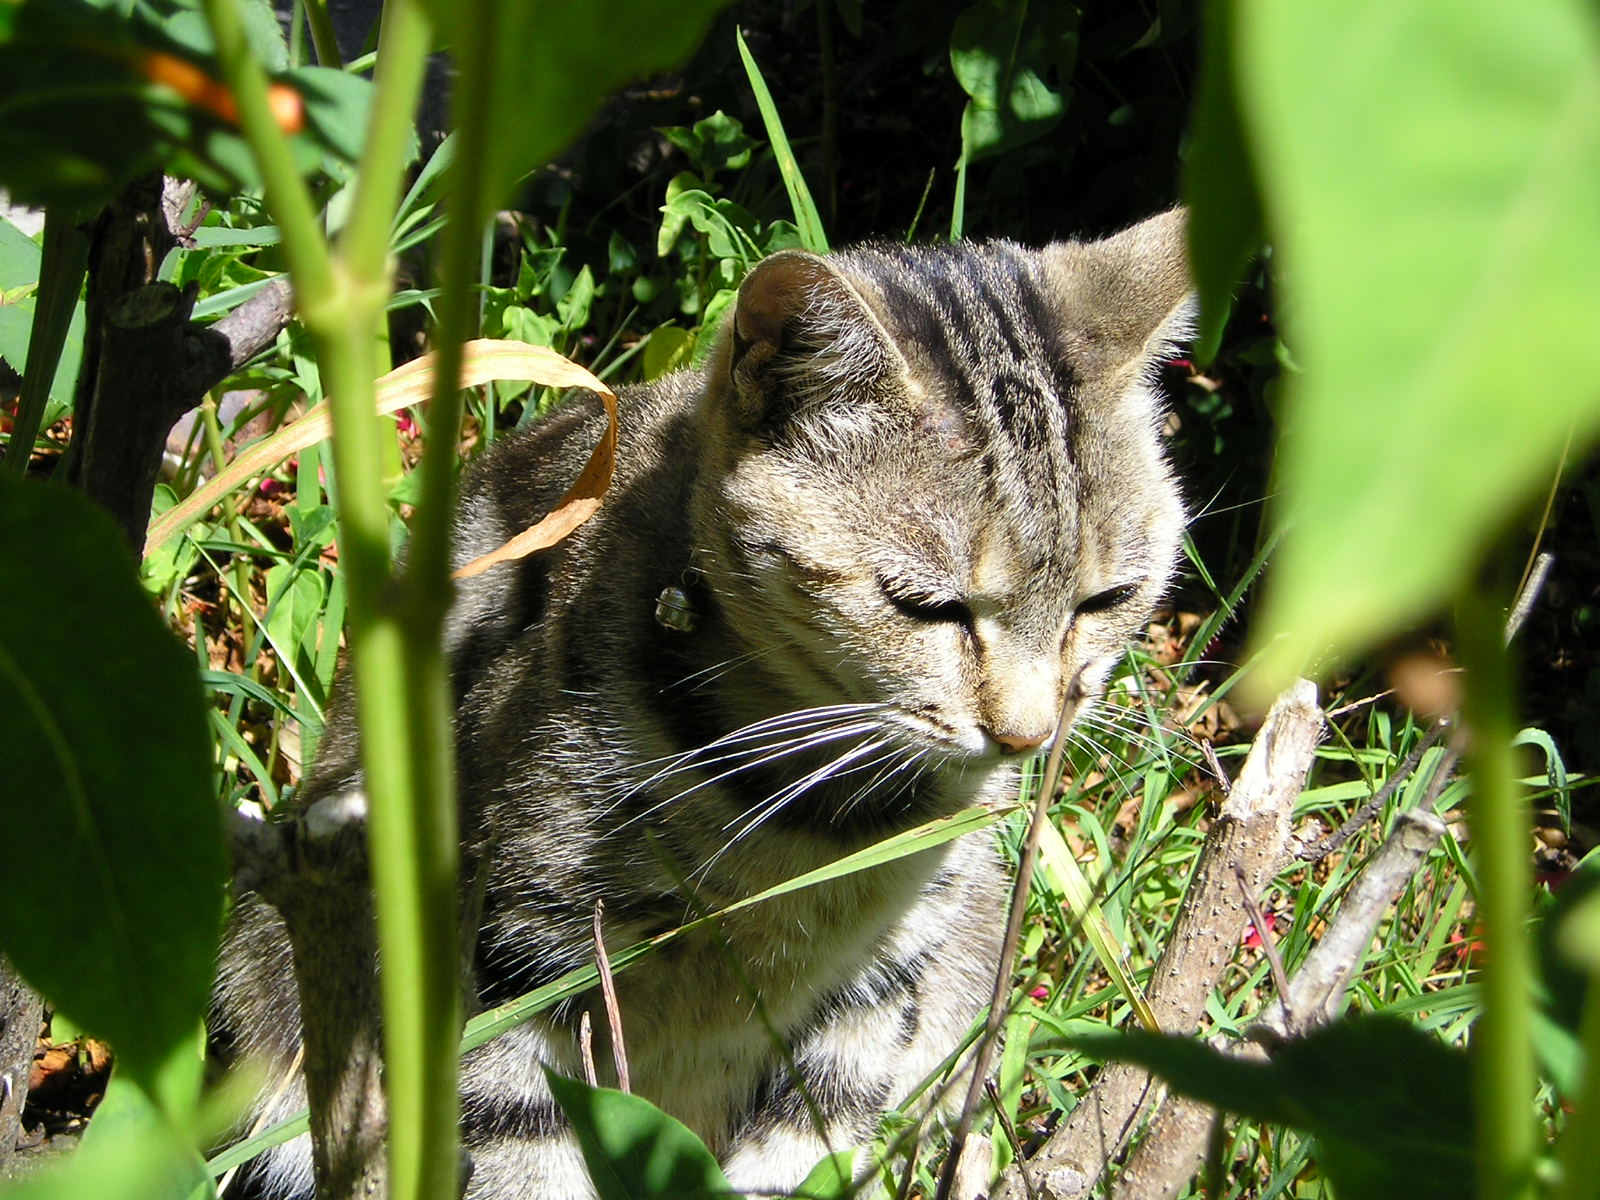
pixel 1389 1106
pixel 107 770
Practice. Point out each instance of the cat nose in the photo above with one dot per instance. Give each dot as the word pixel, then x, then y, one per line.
pixel 1020 743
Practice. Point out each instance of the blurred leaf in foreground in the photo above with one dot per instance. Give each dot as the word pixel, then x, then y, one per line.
pixel 1430 171
pixel 113 903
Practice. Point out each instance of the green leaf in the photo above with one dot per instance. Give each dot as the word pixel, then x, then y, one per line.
pixel 1389 1106
pixel 126 1115
pixel 666 350
pixel 1431 171
pixel 633 1150
pixel 294 609
pixel 337 106
pixel 997 55
pixel 1555 771
pixel 133 1165
pixel 106 740
pixel 1066 877
pixel 156 100
pixel 553 63
pixel 831 1178
pixel 1220 187
pixel 713 143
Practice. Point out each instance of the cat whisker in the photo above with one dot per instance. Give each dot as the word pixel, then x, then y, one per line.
pixel 786 722
pixel 905 761
pixel 795 787
pixel 1133 726
pixel 811 736
pixel 754 818
pixel 716 671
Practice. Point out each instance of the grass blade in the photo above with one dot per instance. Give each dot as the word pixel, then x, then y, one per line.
pixel 805 209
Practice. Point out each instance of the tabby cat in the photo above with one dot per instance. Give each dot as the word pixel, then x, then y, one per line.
pixel 847 576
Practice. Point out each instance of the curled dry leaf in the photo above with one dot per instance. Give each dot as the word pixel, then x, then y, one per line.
pixel 579 502
pixel 483 361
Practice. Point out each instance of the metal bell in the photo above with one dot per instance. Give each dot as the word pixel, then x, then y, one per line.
pixel 674 611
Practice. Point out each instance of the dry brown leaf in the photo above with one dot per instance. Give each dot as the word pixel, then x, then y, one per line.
pixel 483 361
pixel 576 506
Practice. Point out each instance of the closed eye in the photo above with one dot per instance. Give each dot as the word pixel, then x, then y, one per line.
pixel 930 609
pixel 1108 599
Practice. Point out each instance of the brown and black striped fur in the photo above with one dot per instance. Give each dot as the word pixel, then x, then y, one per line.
pixel 917 500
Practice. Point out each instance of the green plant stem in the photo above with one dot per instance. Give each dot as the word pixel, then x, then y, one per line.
pixel 407 35
pixel 1504 1078
pixel 468 208
pixel 402 692
pixel 402 686
pixel 322 36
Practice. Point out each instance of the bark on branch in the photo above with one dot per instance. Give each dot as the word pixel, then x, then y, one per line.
pixel 20 1013
pixel 1173 1149
pixel 145 362
pixel 313 870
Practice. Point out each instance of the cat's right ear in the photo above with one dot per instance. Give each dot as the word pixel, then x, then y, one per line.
pixel 801 334
pixel 1125 300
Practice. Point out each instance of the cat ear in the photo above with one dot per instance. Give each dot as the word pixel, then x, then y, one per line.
pixel 802 335
pixel 1126 300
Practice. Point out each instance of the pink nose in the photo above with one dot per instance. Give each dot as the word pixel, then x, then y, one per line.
pixel 1020 743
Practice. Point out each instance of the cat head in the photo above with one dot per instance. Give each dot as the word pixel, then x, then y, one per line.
pixel 939 483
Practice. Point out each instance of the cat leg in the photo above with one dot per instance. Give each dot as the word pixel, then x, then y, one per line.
pixel 520 1143
pixel 866 1047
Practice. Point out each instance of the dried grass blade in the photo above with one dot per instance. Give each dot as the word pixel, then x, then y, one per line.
pixel 483 361
pixel 579 503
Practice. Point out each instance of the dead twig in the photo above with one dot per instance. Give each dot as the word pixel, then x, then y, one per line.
pixel 1170 1154
pixel 586 1048
pixel 608 990
pixel 1010 1131
pixel 1263 928
pixel 1320 849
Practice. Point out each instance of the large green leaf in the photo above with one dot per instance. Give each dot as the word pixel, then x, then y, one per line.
pixel 113 898
pixel 134 1165
pixel 1431 177
pixel 633 1150
pixel 1000 51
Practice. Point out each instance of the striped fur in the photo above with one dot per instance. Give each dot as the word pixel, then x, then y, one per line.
pixel 918 500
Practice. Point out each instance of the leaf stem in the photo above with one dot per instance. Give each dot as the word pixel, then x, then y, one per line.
pixel 402 691
pixel 1504 1077
pixel 323 39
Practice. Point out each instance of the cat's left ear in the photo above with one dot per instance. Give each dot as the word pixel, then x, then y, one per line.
pixel 1126 300
pixel 802 335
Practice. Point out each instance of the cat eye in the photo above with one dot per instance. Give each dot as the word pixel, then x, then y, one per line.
pixel 1110 598
pixel 930 610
